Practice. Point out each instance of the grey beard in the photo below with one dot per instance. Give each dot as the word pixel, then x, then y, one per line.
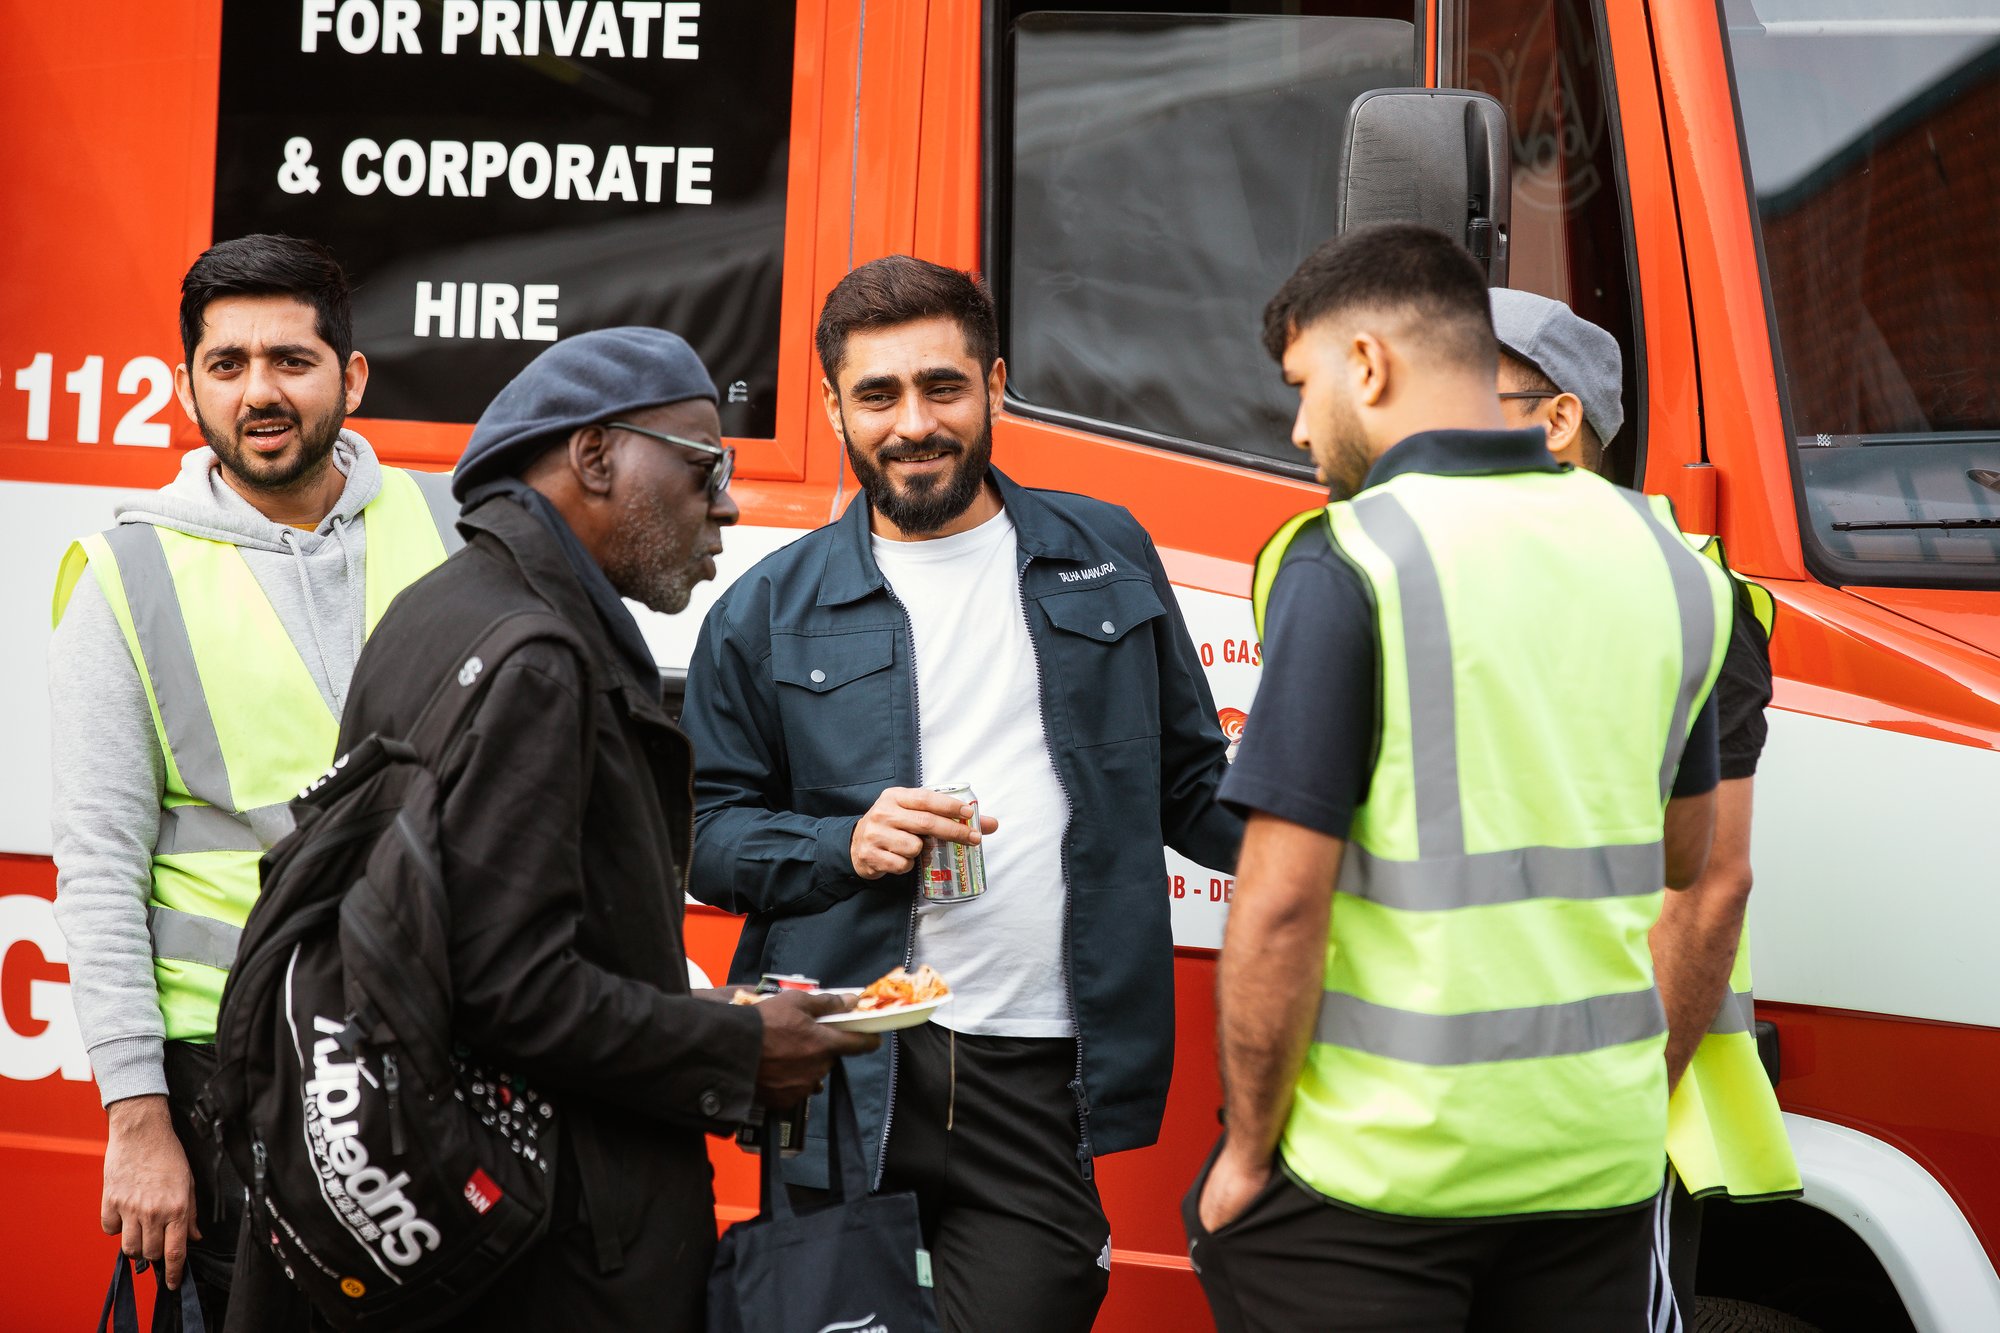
pixel 654 565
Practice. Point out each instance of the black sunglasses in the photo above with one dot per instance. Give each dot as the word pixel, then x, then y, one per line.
pixel 719 472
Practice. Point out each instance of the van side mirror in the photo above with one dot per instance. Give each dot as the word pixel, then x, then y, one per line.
pixel 1438 156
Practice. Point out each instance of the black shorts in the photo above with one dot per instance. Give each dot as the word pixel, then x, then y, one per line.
pixel 1293 1261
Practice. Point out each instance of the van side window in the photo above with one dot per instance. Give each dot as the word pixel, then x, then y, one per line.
pixel 1543 60
pixel 1157 176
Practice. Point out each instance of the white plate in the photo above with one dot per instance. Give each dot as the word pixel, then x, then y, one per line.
pixel 885 1020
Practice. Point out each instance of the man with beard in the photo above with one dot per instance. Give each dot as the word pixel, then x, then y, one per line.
pixel 597 474
pixel 1481 744
pixel 954 627
pixel 196 678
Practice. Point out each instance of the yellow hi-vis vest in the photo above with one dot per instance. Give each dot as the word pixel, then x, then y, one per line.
pixel 1725 1134
pixel 240 724
pixel 1490 1040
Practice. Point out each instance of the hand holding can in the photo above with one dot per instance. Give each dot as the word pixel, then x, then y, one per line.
pixel 895 835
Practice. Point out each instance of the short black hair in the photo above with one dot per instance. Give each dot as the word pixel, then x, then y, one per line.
pixel 1391 266
pixel 897 289
pixel 270 265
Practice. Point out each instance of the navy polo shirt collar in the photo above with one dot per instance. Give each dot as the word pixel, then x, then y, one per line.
pixel 1466 453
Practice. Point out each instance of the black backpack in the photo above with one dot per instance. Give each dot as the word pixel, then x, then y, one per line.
pixel 392 1175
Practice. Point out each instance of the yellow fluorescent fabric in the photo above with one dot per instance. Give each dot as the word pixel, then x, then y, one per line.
pixel 239 721
pixel 1489 1042
pixel 1725 1131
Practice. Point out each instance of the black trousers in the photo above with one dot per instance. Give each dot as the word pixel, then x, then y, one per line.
pixel 218 1193
pixel 1293 1262
pixel 984 1133
pixel 1683 1241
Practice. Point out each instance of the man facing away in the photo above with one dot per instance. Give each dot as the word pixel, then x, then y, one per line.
pixel 1480 746
pixel 1725 1135
pixel 200 661
pixel 956 627
pixel 597 474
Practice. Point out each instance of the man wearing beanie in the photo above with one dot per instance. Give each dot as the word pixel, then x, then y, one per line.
pixel 597 474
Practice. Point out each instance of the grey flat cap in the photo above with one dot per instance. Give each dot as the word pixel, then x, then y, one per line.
pixel 581 380
pixel 1576 355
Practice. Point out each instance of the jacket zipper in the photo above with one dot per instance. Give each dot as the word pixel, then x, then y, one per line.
pixel 1084 1157
pixel 910 934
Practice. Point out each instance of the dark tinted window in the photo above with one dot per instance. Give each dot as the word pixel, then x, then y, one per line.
pixel 1163 174
pixel 1542 60
pixel 1871 127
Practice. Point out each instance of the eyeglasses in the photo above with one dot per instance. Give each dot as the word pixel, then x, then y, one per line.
pixel 1532 393
pixel 719 472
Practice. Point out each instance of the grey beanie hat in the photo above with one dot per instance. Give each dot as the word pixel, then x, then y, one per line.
pixel 1576 355
pixel 588 378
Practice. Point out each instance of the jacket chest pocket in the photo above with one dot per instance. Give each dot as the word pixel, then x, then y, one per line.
pixel 840 700
pixel 1105 663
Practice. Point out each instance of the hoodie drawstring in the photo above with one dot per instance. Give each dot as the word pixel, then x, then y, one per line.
pixel 291 540
pixel 357 583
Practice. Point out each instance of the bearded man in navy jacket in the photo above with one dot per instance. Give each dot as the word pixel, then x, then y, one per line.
pixel 956 627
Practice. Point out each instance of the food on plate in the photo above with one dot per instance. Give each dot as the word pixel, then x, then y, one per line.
pixel 903 987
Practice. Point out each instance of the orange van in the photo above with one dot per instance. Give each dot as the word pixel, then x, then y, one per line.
pixel 1784 210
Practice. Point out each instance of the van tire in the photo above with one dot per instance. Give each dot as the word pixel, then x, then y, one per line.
pixel 1714 1315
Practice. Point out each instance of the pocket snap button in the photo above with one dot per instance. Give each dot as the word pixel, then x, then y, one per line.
pixel 818 677
pixel 1108 627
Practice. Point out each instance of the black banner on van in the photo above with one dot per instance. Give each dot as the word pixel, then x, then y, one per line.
pixel 496 174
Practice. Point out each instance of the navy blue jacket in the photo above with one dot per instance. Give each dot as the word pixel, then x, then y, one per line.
pixel 801 703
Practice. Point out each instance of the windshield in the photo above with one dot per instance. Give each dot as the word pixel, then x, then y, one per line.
pixel 1873 133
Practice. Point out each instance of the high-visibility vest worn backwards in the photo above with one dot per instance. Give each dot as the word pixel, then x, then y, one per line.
pixel 240 724
pixel 1490 1041
pixel 1725 1134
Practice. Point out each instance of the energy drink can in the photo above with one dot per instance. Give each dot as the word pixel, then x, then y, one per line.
pixel 953 871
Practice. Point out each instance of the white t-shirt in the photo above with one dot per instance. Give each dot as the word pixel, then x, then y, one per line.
pixel 981 723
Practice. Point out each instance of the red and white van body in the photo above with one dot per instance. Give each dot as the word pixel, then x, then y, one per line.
pixel 1878 897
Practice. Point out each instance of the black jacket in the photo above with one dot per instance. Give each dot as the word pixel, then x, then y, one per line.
pixel 802 707
pixel 566 888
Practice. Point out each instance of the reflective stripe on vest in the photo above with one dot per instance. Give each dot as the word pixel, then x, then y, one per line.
pixel 1489 1039
pixel 240 723
pixel 1725 1131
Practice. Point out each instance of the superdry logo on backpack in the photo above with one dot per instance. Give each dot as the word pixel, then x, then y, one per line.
pixel 371 1202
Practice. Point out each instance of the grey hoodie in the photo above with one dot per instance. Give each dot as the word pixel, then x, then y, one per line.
pixel 109 773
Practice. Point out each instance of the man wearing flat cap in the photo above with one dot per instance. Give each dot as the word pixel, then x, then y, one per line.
pixel 596 475
pixel 1725 1135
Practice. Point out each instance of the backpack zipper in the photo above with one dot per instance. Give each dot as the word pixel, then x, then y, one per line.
pixel 910 934
pixel 259 1168
pixel 1084 1157
pixel 392 1086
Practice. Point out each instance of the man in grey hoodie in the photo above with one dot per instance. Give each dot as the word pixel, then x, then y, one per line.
pixel 197 673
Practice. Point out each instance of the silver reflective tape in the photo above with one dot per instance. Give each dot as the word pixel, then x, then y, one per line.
pixel 1483 879
pixel 1534 1033
pixel 187 938
pixel 163 638
pixel 1427 654
pixel 1697 614
pixel 1734 1015
pixel 205 828
pixel 444 507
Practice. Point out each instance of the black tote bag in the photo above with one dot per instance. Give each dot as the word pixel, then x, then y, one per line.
pixel 121 1307
pixel 855 1265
